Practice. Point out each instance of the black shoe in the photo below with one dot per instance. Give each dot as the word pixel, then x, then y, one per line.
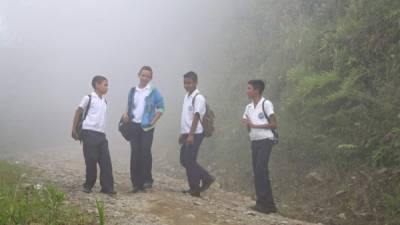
pixel 207 184
pixel 108 192
pixel 137 190
pixel 87 190
pixel 195 194
pixel 187 191
pixel 263 209
pixel 148 185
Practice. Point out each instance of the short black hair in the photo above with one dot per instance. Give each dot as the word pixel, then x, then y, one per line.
pixel 191 75
pixel 146 68
pixel 257 85
pixel 98 79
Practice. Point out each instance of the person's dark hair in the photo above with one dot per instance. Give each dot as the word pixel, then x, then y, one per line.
pixel 97 79
pixel 257 85
pixel 192 75
pixel 146 68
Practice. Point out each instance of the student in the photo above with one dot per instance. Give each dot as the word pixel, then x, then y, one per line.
pixel 194 109
pixel 95 144
pixel 261 138
pixel 145 107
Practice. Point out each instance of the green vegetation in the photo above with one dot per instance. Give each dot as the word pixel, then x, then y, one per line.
pixel 332 69
pixel 23 203
pixel 100 211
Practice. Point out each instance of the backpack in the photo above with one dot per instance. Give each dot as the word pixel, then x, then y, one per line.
pixel 208 120
pixel 126 129
pixel 274 131
pixel 82 118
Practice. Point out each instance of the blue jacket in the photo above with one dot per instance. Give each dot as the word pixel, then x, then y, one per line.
pixel 154 103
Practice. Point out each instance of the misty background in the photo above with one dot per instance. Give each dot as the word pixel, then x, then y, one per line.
pixel 50 50
pixel 331 69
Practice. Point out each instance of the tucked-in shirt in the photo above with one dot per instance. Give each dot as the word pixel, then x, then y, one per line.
pixel 189 110
pixel 140 102
pixel 96 115
pixel 257 117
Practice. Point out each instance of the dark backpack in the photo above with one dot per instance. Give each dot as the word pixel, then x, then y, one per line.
pixel 82 118
pixel 274 131
pixel 126 129
pixel 208 120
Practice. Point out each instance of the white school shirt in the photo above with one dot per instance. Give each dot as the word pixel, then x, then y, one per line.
pixel 257 117
pixel 189 109
pixel 96 116
pixel 139 102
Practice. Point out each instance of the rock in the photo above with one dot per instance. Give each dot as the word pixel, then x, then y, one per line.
pixel 382 171
pixel 364 215
pixel 314 176
pixel 197 203
pixel 250 213
pixel 396 171
pixel 190 216
pixel 340 193
pixel 342 216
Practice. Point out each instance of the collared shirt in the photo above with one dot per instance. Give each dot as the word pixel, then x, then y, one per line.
pixel 140 102
pixel 96 116
pixel 257 117
pixel 189 110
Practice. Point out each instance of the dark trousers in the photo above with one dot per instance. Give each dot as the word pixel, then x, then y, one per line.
pixel 261 150
pixel 95 151
pixel 195 173
pixel 141 157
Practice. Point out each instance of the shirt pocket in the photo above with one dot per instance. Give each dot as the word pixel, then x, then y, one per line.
pixel 94 108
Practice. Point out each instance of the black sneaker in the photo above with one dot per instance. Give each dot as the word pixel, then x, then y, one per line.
pixel 137 190
pixel 206 184
pixel 263 209
pixel 148 185
pixel 87 190
pixel 195 194
pixel 108 192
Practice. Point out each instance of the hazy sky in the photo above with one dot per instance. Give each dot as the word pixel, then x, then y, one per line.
pixel 50 50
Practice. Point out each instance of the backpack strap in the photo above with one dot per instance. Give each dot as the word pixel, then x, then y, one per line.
pixel 130 100
pixel 263 108
pixel 274 132
pixel 194 99
pixel 87 107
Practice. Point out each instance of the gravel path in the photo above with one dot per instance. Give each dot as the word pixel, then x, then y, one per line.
pixel 162 205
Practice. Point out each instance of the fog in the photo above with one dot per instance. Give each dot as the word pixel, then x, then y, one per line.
pixel 50 50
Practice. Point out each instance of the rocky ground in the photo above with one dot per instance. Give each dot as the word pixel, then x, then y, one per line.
pixel 162 205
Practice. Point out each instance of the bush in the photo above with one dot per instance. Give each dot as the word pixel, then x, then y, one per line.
pixel 22 203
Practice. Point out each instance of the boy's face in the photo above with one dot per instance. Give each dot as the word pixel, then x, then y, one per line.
pixel 189 84
pixel 145 77
pixel 251 92
pixel 102 87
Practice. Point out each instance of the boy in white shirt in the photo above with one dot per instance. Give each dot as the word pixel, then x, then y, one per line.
pixel 144 109
pixel 92 113
pixel 260 121
pixel 193 110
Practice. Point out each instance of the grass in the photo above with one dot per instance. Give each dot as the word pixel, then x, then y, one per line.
pixel 24 203
pixel 100 210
